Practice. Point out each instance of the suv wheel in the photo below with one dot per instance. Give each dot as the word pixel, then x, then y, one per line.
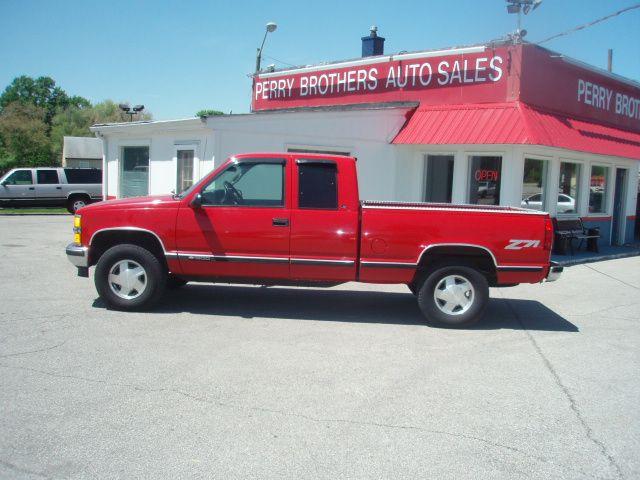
pixel 76 203
pixel 129 277
pixel 453 296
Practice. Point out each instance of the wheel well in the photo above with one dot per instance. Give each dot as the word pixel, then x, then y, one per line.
pixel 476 257
pixel 76 195
pixel 103 241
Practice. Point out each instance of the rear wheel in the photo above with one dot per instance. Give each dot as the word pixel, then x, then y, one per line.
pixel 129 277
pixel 76 202
pixel 453 296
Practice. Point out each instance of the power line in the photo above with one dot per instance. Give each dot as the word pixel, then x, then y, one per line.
pixel 280 61
pixel 586 25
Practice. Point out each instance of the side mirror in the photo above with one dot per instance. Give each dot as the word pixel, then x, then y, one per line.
pixel 196 202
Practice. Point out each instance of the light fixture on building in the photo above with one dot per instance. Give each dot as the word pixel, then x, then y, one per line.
pixel 269 28
pixel 131 111
pixel 519 7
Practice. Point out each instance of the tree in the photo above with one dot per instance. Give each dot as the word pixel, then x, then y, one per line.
pixel 208 113
pixel 23 136
pixel 41 92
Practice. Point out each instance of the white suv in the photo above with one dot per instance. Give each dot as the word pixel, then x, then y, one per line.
pixel 70 187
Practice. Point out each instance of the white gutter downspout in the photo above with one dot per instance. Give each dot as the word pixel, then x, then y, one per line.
pixel 105 169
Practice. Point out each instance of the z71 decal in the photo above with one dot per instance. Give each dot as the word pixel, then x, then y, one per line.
pixel 520 244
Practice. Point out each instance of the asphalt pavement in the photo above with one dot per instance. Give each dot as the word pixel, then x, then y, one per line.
pixel 246 382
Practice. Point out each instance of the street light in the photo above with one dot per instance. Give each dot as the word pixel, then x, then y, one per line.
pixel 519 7
pixel 270 27
pixel 131 111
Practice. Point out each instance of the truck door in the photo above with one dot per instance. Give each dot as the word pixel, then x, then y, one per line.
pixel 324 222
pixel 48 187
pixel 241 230
pixel 18 187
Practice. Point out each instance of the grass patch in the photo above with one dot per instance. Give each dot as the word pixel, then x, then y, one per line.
pixel 34 211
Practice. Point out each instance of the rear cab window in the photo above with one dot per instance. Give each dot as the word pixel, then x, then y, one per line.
pixel 317 184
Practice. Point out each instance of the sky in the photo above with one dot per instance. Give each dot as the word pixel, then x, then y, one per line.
pixel 178 57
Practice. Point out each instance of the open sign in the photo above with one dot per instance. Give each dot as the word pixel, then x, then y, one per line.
pixel 486 175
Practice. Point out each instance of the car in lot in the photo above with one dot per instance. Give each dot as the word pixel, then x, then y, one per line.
pixel 51 187
pixel 566 204
pixel 297 219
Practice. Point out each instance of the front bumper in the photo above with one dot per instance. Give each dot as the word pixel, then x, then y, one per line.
pixel 78 255
pixel 555 271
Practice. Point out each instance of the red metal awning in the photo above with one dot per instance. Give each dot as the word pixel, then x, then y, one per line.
pixel 514 123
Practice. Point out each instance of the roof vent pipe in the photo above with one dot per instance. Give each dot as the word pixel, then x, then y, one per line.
pixel 373 44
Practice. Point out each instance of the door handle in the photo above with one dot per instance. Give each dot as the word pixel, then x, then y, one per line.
pixel 32 188
pixel 280 222
pixel 58 188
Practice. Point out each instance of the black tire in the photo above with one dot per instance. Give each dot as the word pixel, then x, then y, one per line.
pixel 154 277
pixel 464 313
pixel 175 282
pixel 76 202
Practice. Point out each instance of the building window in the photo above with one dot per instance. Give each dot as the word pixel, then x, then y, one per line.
pixel 257 183
pixel 534 184
pixel 185 169
pixel 134 179
pixel 569 188
pixel 598 189
pixel 439 178
pixel 320 151
pixel 484 181
pixel 318 185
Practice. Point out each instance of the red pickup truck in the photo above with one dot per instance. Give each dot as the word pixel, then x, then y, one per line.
pixel 296 219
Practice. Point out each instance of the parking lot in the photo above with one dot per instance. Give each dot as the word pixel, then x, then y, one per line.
pixel 250 382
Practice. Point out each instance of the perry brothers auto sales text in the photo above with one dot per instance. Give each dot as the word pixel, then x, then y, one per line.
pixel 603 98
pixel 388 77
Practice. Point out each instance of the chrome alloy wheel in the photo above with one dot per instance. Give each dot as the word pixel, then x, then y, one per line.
pixel 127 279
pixel 78 204
pixel 454 295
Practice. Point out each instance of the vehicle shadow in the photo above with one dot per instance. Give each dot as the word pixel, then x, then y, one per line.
pixel 355 306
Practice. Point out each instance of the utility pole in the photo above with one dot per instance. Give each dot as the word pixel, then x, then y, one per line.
pixel 610 60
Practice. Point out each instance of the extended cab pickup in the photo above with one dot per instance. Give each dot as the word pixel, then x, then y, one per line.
pixel 296 219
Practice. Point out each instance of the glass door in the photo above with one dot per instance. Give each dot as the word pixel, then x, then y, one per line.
pixel 134 177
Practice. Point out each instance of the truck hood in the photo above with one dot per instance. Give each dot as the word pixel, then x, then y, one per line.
pixel 152 201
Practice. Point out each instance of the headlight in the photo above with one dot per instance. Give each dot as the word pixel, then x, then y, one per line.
pixel 77 229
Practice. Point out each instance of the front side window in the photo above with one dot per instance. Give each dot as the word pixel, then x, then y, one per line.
pixel 569 187
pixel 534 184
pixel 19 177
pixel 249 184
pixel 317 185
pixel 598 189
pixel 47 177
pixel 484 183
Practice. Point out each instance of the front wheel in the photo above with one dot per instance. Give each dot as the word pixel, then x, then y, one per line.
pixel 453 296
pixel 129 277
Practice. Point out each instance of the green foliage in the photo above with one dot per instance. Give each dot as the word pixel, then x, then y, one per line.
pixel 208 113
pixel 23 135
pixel 41 92
pixel 35 115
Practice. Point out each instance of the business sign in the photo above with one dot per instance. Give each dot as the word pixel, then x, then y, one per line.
pixel 528 73
pixel 456 76
pixel 569 87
